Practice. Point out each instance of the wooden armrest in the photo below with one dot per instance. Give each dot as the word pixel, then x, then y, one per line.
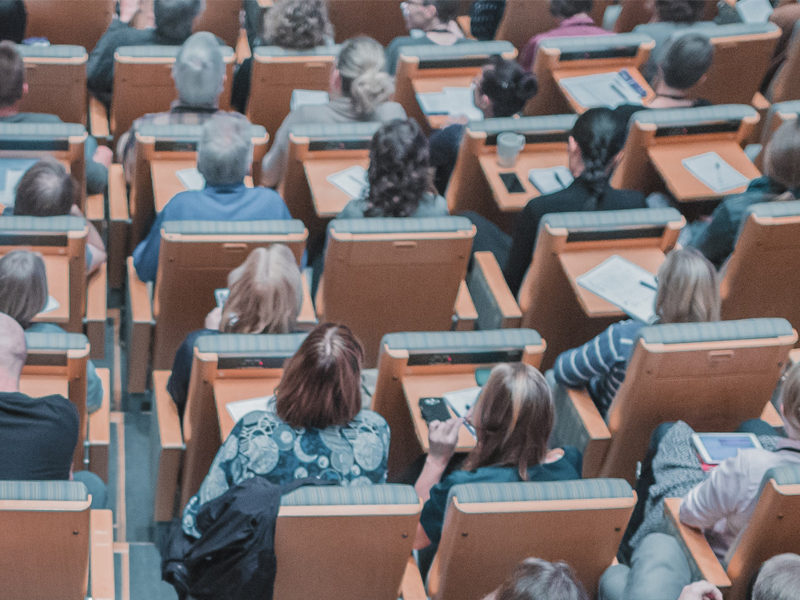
pixel 166 447
pixel 139 325
pixel 412 587
pixel 465 22
pixel 99 434
pixel 97 312
pixel 119 221
pixel 98 118
pixel 465 312
pixel 702 560
pixel 762 105
pixel 794 356
pixel 306 320
pixel 579 424
pixel 96 209
pixel 101 556
pixel 496 306
pixel 771 416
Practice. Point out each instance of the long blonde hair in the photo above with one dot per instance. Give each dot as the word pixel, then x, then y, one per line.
pixel 23 286
pixel 362 67
pixel 688 291
pixel 266 292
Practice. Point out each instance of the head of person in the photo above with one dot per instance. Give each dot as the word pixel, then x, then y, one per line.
pixel 790 402
pixel 13 352
pixel 537 579
pixel 564 9
pixel 778 578
pixel 678 11
pixel 399 170
pixel 503 88
pixel 360 75
pixel 428 14
pixel 23 286
pixel 513 419
pixel 13 20
pixel 686 60
pixel 199 70
pixel 782 157
pixel 266 292
pixel 321 383
pixel 174 17
pixel 225 151
pixel 12 75
pixel 297 24
pixel 45 190
pixel 688 290
pixel 593 148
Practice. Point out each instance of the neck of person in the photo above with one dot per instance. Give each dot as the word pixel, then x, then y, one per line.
pixel 440 32
pixel 669 96
pixel 9 111
pixel 8 384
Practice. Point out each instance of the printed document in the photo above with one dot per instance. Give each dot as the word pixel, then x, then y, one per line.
pixel 754 11
pixel 453 101
pixel 191 179
pixel 550 180
pixel 714 172
pixel 352 181
pixel 623 284
pixel 11 171
pixel 308 98
pixel 603 89
pixel 239 409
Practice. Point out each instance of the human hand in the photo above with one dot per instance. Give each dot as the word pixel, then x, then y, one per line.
pixel 700 590
pixel 128 10
pixel 103 155
pixel 442 440
pixel 214 318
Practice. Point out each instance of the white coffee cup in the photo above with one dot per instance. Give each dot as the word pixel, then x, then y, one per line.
pixel 509 145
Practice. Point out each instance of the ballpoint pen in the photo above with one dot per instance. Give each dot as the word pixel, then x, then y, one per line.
pixel 558 179
pixel 648 285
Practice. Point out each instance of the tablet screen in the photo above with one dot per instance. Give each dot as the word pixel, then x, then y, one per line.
pixel 720 447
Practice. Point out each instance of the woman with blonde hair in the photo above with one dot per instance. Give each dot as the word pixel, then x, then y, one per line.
pixel 265 297
pixel 23 295
pixel 688 292
pixel 360 89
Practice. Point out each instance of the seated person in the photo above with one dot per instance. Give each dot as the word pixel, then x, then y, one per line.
pixel 12 90
pixel 435 23
pixel 574 19
pixel 360 91
pixel 688 292
pixel 47 190
pixel 537 579
pixel 485 17
pixel 685 61
pixel 513 419
pixel 23 295
pixel 501 90
pixel 265 297
pixel 173 20
pixel 224 156
pixel 199 75
pixel 291 25
pixel 778 578
pixel 784 16
pixel 780 181
pixel 670 17
pixel 39 434
pixel 314 426
pixel 13 20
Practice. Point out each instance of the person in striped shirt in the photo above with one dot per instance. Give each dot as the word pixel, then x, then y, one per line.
pixel 688 292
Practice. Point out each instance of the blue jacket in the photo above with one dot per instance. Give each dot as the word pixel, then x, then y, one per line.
pixel 214 203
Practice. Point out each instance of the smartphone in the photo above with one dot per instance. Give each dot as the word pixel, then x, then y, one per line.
pixel 433 409
pixel 221 296
pixel 512 183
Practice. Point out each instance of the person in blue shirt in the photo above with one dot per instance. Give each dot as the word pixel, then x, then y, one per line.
pixel 224 155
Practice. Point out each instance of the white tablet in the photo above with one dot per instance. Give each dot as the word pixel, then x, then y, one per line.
pixel 713 448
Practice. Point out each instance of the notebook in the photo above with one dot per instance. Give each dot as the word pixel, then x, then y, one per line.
pixel 308 98
pixel 625 285
pixel 240 408
pixel 603 89
pixel 714 172
pixel 352 181
pixel 550 180
pixel 191 179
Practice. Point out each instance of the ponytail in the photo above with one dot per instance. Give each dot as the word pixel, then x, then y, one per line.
pixel 600 138
pixel 369 90
pixel 507 85
pixel 361 65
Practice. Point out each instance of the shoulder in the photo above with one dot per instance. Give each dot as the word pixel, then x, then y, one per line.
pixel 388 111
pixel 625 198
pixel 492 474
pixel 352 210
pixel 370 418
pixel 405 40
pixel 435 205
pixel 45 328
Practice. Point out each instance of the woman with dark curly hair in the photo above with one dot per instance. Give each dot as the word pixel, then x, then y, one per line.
pixel 400 183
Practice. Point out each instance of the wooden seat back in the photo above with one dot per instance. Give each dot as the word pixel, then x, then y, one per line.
pixel 56 78
pixel 786 84
pixel 379 19
pixel 221 17
pixel 79 22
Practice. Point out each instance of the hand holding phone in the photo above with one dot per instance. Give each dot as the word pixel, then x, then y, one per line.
pixel 433 409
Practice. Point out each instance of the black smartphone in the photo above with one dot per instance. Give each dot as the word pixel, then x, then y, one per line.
pixel 512 183
pixel 433 409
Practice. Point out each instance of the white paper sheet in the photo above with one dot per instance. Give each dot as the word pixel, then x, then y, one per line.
pixel 550 180
pixel 191 179
pixel 623 284
pixel 51 305
pixel 453 101
pixel 714 172
pixel 352 181
pixel 461 401
pixel 308 98
pixel 754 11
pixel 602 89
pixel 239 409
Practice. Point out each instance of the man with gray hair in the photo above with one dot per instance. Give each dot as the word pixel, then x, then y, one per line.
pixel 224 156
pixel 778 578
pixel 199 75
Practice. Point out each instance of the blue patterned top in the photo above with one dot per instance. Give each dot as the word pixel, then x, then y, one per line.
pixel 262 444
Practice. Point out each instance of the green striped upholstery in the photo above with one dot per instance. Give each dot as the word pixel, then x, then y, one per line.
pixel 610 220
pixel 159 51
pixel 278 52
pixel 456 51
pixel 694 333
pixel 461 341
pixel 712 30
pixel 40 131
pixel 775 210
pixel 672 117
pixel 390 225
pixel 277 227
pixel 596 43
pixel 56 342
pixel 336 131
pixel 362 495
pixel 10 224
pixel 52 491
pixel 525 124
pixel 786 475
pixel 529 491
pixel 185 133
pixel 55 51
pixel 263 345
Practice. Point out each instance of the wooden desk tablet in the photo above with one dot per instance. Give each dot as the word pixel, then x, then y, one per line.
pixel 437 84
pixel 576 264
pixel 569 73
pixel 240 388
pixel 527 160
pixel 57 268
pixel 424 386
pixel 684 186
pixel 166 183
pixel 328 199
pixel 38 386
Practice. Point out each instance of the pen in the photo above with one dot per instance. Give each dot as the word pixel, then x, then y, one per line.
pixel 558 179
pixel 648 285
pixel 719 174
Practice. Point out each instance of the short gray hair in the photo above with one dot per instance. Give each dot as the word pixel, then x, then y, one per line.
pixel 778 578
pixel 226 149
pixel 174 17
pixel 199 70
